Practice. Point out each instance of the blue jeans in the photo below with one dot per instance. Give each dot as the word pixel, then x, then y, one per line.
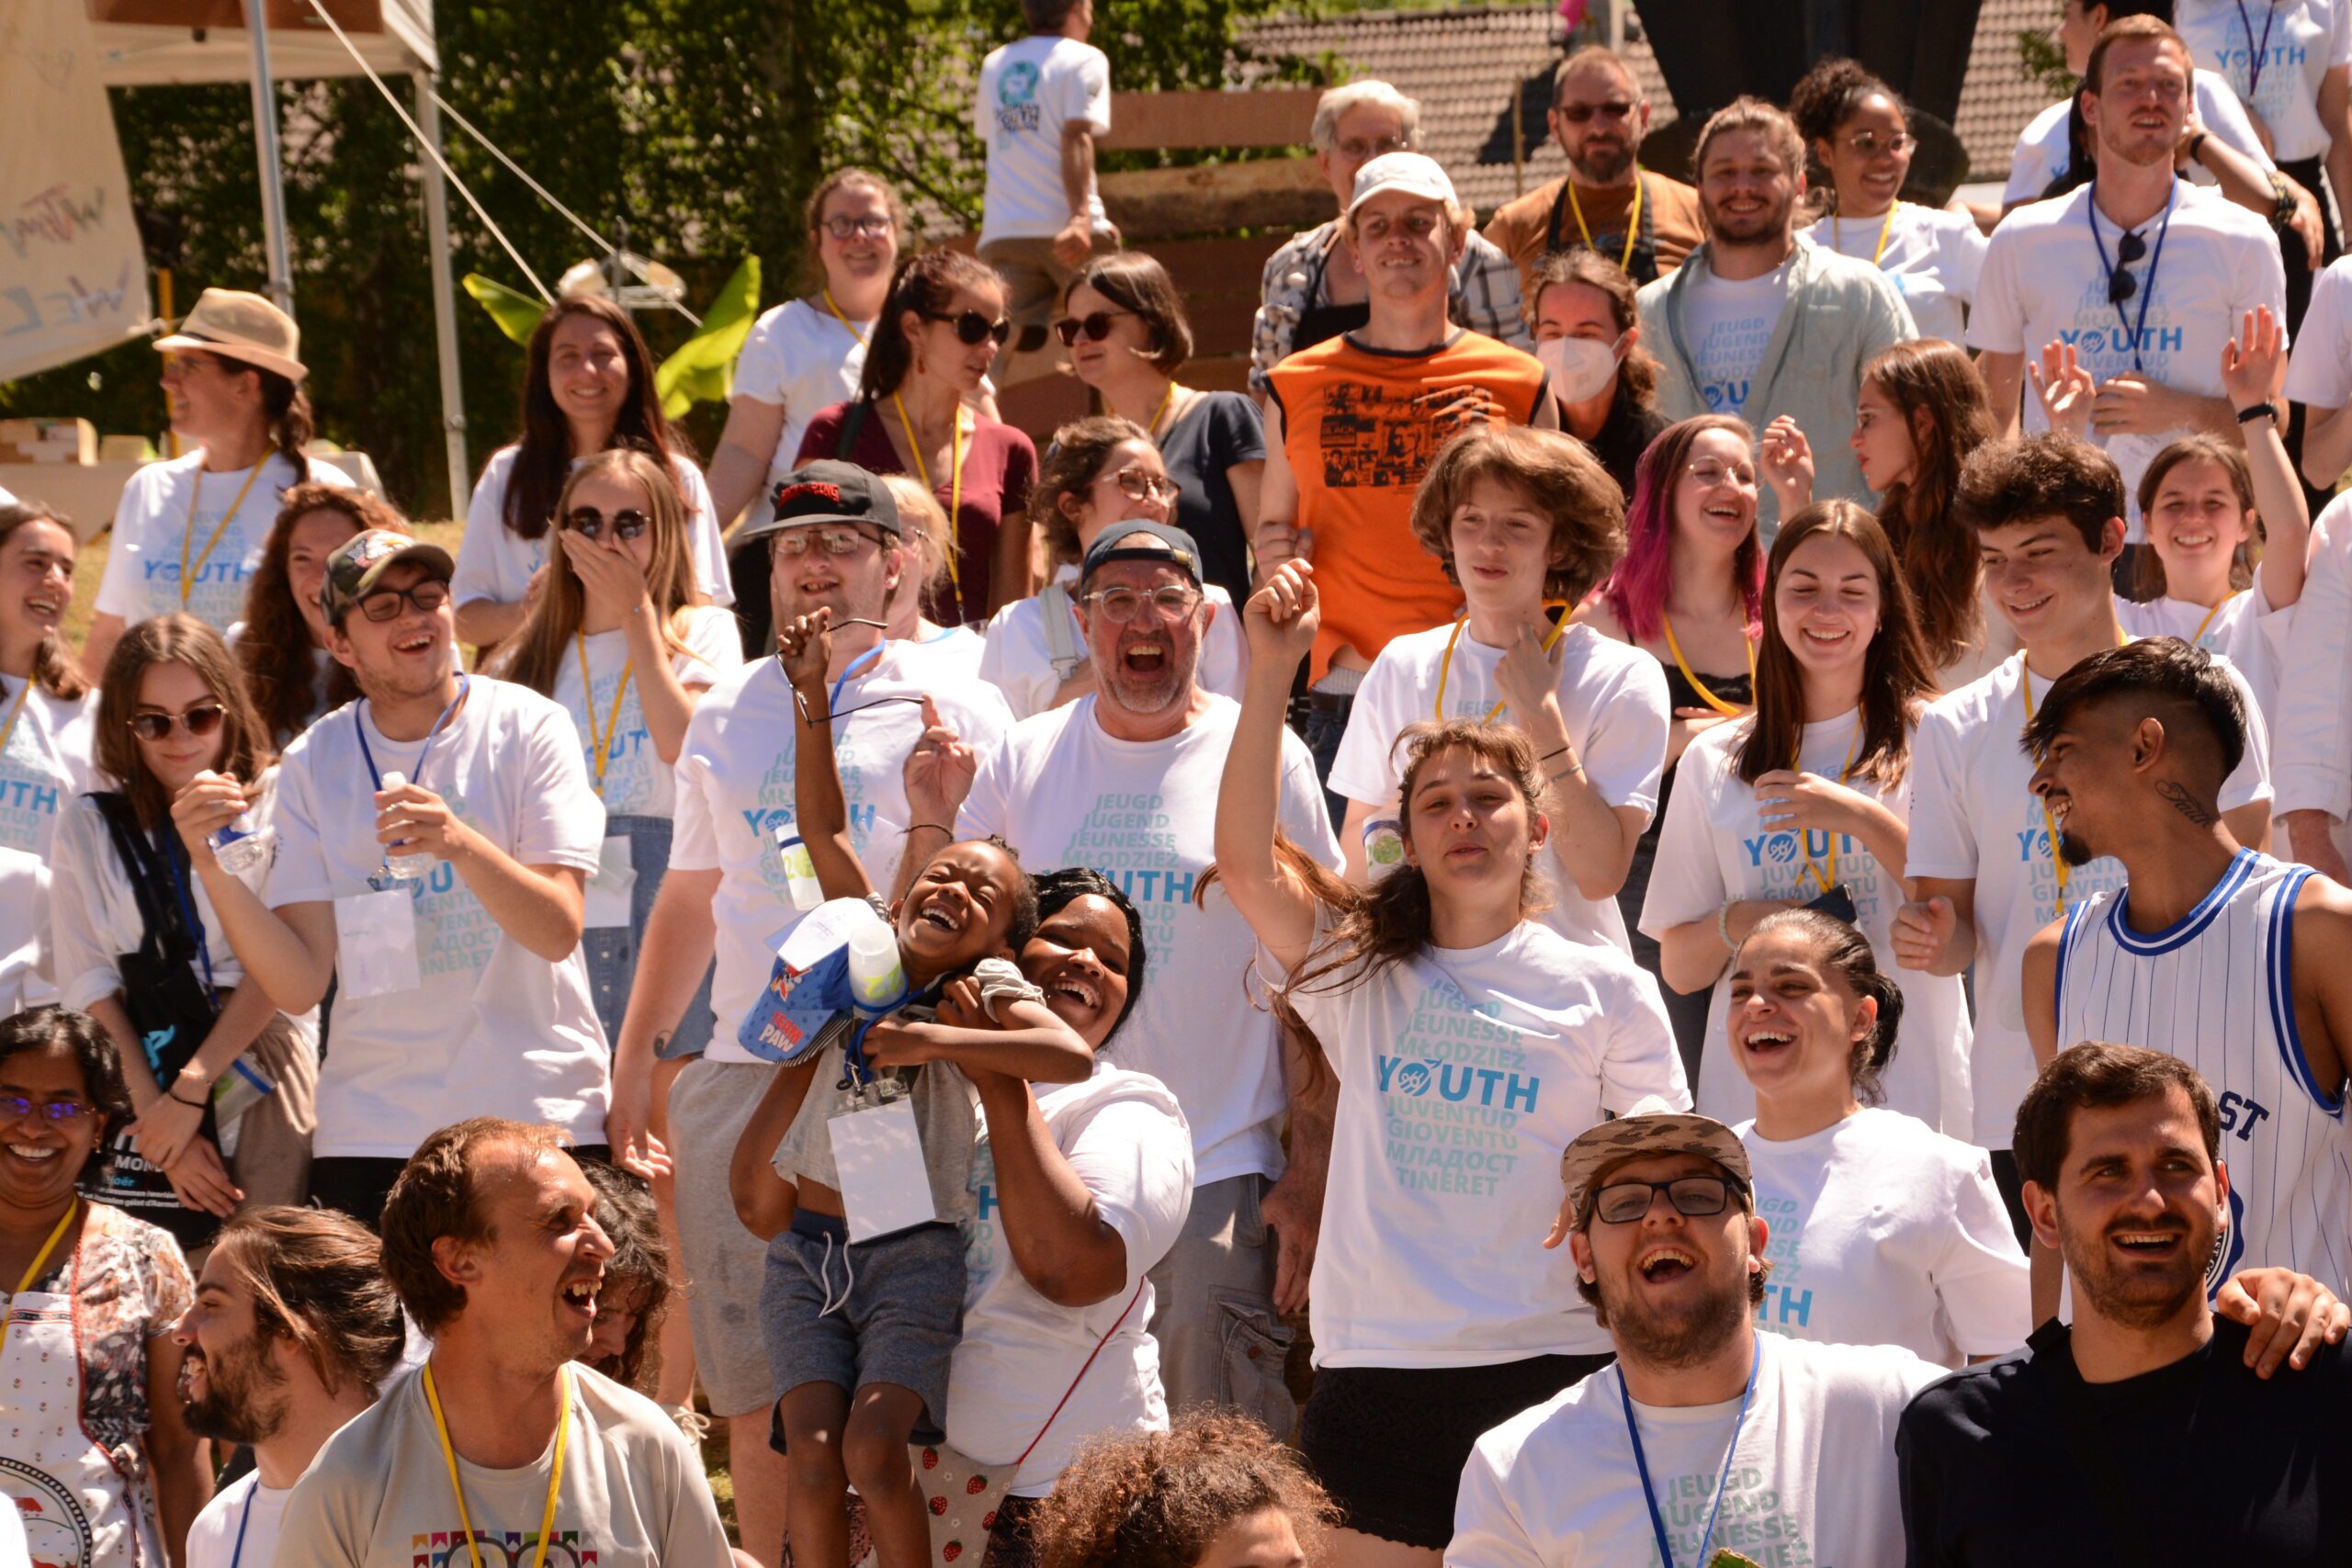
pixel 612 951
pixel 1321 720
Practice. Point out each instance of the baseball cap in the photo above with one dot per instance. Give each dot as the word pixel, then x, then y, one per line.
pixel 1415 174
pixel 239 326
pixel 1175 549
pixel 1652 1127
pixel 828 491
pixel 360 563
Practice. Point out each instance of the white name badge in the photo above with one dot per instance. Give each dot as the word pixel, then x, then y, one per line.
pixel 375 937
pixel 885 1185
pixel 610 891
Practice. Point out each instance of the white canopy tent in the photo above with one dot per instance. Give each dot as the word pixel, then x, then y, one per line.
pixel 161 43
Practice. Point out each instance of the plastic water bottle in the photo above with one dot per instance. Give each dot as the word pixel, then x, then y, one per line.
pixel 878 980
pixel 799 870
pixel 404 868
pixel 240 847
pixel 1383 847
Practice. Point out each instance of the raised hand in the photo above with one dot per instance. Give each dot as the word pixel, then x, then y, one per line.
pixel 1786 458
pixel 1282 618
pixel 1529 673
pixel 938 772
pixel 805 647
pixel 2251 361
pixel 208 803
pixel 2064 388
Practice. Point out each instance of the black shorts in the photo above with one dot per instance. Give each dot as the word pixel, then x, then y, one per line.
pixel 1389 1443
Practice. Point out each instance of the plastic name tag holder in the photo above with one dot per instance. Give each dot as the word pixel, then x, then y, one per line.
pixel 877 1154
pixel 611 891
pixel 375 936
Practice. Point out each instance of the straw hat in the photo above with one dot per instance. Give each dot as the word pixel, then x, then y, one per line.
pixel 240 326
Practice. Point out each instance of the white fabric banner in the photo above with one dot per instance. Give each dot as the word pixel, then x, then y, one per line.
pixel 72 279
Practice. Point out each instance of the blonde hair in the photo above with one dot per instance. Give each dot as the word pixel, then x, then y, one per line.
pixel 932 539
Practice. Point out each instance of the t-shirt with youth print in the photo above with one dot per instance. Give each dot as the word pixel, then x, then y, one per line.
pixel 2274 55
pixel 1729 323
pixel 1464 1073
pixel 637 783
pixel 1930 254
pixel 1063 790
pixel 735 789
pixel 491 1028
pixel 2203 268
pixel 44 761
pixel 173 512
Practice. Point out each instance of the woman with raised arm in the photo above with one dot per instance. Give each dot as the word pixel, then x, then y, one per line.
pixel 1472 1043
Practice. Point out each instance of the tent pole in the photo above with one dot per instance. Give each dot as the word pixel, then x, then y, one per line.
pixel 273 175
pixel 444 308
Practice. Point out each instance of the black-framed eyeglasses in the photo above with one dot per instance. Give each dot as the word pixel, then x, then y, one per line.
pixel 15 1108
pixel 1094 326
pixel 589 523
pixel 1610 108
pixel 1140 484
pixel 874 226
pixel 200 721
pixel 2121 285
pixel 1120 605
pixel 1622 1202
pixel 973 328
pixel 386 603
pixel 830 541
pixel 1870 143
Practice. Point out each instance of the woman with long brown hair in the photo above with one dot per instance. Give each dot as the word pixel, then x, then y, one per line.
pixel 45 704
pixel 209 1060
pixel 1435 1317
pixel 589 387
pixel 933 345
pixel 1804 802
pixel 281 643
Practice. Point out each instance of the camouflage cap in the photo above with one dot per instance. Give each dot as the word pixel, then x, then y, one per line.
pixel 361 561
pixel 1652 1127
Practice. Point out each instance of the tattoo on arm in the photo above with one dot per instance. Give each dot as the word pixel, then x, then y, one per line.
pixel 2187 804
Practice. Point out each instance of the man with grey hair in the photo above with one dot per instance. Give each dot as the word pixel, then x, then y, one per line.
pixel 1607 201
pixel 1314 288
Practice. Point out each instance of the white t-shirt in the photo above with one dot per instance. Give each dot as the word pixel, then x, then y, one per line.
pixel 1714 846
pixel 2242 628
pixel 1932 256
pixel 1019 660
pixel 1612 700
pixel 1729 326
pixel 28 968
pixel 1029 90
pixel 2314 715
pixel 239 1528
pixel 800 359
pixel 1125 1138
pixel 2274 54
pixel 1885 1232
pixel 497 565
pixel 492 1029
pixel 1813 1480
pixel 633 1493
pixel 2041 151
pixel 956 651
pixel 2320 370
pixel 168 511
pixel 1063 792
pixel 44 761
pixel 2043 282
pixel 637 783
pixel 735 783
pixel 1464 1073
pixel 1975 818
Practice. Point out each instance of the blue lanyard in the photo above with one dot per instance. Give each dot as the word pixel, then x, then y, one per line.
pixel 172 851
pixel 2147 283
pixel 245 1519
pixel 359 725
pixel 2261 51
pixel 833 703
pixel 1642 1463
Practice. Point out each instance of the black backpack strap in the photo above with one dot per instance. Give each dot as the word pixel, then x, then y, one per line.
pixel 2102 1477
pixel 853 422
pixel 166 933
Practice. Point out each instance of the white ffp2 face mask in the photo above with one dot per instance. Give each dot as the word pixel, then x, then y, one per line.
pixel 1581 368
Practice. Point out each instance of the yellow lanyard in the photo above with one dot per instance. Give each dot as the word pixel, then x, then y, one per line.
pixel 1632 219
pixel 2194 637
pixel 16 711
pixel 602 743
pixel 1160 412
pixel 1838 234
pixel 954 483
pixel 1728 710
pixel 847 325
pixel 1445 665
pixel 188 535
pixel 1828 878
pixel 39 1259
pixel 555 1478
pixel 2049 822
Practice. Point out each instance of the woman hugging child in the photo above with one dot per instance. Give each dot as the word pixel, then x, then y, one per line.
pixel 860 1331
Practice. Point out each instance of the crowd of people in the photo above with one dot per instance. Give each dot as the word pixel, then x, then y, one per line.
pixel 1736 833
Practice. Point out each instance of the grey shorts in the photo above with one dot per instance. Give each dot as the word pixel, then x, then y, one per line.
pixel 708 1105
pixel 896 1310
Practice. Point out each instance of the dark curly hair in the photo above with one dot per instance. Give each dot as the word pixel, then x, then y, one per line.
pixel 1057 890
pixel 640 1259
pixel 1824 98
pixel 1071 464
pixel 274 650
pixel 1160 1499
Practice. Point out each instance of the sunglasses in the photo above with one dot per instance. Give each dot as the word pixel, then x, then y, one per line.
pixel 15 1108
pixel 200 721
pixel 385 604
pixel 589 523
pixel 2121 285
pixel 1094 326
pixel 1580 114
pixel 973 328
pixel 1622 1202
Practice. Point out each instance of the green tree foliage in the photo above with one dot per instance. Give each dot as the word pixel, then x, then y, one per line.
pixel 702 124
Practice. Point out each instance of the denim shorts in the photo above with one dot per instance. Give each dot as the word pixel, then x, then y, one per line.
pixel 849 1314
pixel 612 952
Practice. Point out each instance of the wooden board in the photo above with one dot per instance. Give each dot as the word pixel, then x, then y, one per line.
pixel 1145 121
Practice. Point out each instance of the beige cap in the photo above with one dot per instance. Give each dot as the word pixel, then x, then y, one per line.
pixel 1653 1126
pixel 240 326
